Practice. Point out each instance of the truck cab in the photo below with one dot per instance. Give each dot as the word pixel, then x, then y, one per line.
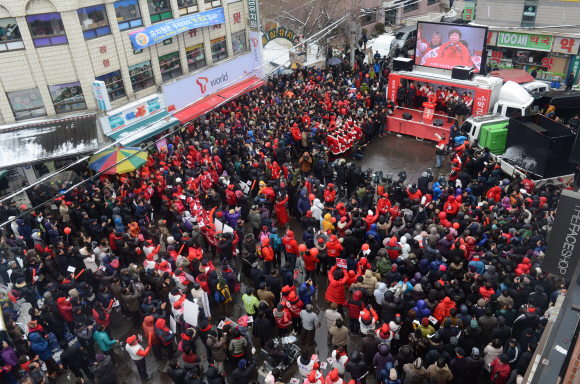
pixel 489 130
pixel 514 101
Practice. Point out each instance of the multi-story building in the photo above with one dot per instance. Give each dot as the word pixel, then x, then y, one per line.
pixel 51 51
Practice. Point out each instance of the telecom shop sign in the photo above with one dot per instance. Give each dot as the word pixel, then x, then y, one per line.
pixel 525 41
pixel 161 31
pixel 563 250
pixel 132 113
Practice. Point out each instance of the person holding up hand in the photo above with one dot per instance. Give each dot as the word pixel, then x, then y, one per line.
pixel 138 354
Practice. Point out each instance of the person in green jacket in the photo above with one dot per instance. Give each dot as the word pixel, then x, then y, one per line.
pixel 250 302
pixel 104 342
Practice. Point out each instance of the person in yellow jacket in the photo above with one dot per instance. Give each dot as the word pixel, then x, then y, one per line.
pixel 223 289
pixel 327 223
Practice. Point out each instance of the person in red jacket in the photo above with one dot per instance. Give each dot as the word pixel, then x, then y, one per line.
pixel 231 198
pixel 294 305
pixel 281 212
pixel 384 204
pixel 149 330
pixel 337 278
pixel 333 248
pixel 500 369
pixel 393 248
pixel 494 193
pixel 138 354
pixel 310 262
pixel 354 305
pixel 283 319
pixel 451 207
pixel 370 219
pixel 268 255
pixel 329 195
pixel 290 248
pixel 65 309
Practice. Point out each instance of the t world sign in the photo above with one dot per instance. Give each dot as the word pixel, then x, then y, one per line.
pixel 563 250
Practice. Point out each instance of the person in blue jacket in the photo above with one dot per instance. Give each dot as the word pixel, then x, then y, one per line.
pixel 373 231
pixel 40 346
pixel 303 203
pixel 305 292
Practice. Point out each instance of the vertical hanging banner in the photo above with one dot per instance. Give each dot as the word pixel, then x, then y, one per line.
pixel 101 94
pixel 253 13
pixel 469 11
pixel 256 47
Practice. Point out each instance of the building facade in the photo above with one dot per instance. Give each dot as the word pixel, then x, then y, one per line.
pixel 52 50
pixel 542 40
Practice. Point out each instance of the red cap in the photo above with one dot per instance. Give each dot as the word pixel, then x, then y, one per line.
pixel 320 240
pixel 343 219
pixel 425 321
pixel 131 339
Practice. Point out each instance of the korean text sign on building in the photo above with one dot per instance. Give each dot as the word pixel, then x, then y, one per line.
pixel 524 40
pixel 161 31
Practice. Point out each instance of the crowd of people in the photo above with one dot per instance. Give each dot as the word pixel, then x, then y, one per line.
pixel 438 281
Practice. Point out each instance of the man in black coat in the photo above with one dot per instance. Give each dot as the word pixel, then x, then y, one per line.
pixel 176 373
pixel 72 358
pixel 476 363
pixel 357 367
pixel 460 367
pixel 423 181
pixel 273 283
pixel 244 373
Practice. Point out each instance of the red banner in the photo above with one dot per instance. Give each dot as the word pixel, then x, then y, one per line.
pixel 394 81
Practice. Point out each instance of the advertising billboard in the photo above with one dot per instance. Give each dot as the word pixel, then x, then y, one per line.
pixel 445 46
pixel 199 85
pixel 132 113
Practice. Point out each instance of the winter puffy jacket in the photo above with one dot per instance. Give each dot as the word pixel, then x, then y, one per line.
pixel 445 244
pixel 405 248
pixel 355 305
pixel 102 339
pixel 369 280
pixel 164 333
pixel 149 329
pixel 303 203
pixel 39 346
pixel 335 291
pixel 327 223
pixel 356 366
pixel 421 310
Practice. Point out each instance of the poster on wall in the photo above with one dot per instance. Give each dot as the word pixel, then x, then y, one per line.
pixel 132 113
pixel 441 45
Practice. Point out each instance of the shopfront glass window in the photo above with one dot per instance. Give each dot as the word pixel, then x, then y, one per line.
pixel 159 10
pixel 195 57
pixel 141 76
pixel 369 17
pixel 67 97
pixel 170 66
pixel 26 104
pixel 47 29
pixel 10 38
pixel 128 14
pixel 187 6
pixel 219 49
pixel 114 83
pixel 94 22
pixel 239 42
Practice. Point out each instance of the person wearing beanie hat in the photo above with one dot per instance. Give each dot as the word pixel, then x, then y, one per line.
pixel 459 366
pixel 426 328
pixel 104 370
pixel 138 354
pixel 368 319
pixel 244 373
pixel 414 372
pixel 476 363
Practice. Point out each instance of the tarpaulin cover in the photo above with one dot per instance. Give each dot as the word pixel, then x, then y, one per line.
pixel 27 143
pixel 518 76
pixel 241 88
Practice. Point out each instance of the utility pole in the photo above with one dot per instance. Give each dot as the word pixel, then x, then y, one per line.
pixel 352 41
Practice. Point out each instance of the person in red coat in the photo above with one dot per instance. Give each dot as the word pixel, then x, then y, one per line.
pixel 334 248
pixel 290 248
pixel 281 212
pixel 500 369
pixel 310 261
pixel 451 207
pixel 329 195
pixel 384 204
pixel 335 291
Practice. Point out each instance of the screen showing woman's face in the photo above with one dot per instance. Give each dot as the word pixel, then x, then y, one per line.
pixel 435 39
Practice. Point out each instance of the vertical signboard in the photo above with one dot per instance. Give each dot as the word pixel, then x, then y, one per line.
pixel 254 16
pixel 469 11
pixel 563 250
pixel 101 94
pixel 256 47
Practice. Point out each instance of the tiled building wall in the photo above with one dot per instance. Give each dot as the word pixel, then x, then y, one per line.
pixel 82 60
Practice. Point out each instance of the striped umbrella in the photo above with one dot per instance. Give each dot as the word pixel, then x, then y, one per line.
pixel 112 156
pixel 296 65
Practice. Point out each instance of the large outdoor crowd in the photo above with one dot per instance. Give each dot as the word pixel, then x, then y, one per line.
pixel 441 279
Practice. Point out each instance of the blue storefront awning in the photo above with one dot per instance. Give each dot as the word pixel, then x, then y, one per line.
pixel 143 130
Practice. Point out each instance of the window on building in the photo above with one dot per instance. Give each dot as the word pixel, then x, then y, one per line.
pixel 128 14
pixel 369 17
pixel 114 83
pixel 239 42
pixel 47 29
pixel 431 2
pixel 26 104
pixel 67 97
pixel 10 38
pixel 94 22
pixel 414 5
pixel 187 6
pixel 159 10
pixel 219 49
pixel 170 66
pixel 195 57
pixel 529 14
pixel 141 76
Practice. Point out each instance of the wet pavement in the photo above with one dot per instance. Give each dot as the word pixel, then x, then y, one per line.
pixel 389 154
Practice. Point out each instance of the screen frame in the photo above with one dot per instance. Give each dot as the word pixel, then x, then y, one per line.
pixel 459 26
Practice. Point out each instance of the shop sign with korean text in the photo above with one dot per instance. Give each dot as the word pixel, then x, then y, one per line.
pixel 132 113
pixel 253 14
pixel 469 11
pixel 567 45
pixel 525 41
pixel 158 32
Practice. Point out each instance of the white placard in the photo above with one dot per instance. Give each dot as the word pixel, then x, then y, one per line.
pixel 190 312
pixel 71 269
pixel 172 324
pixel 205 304
pixel 218 225
pixel 227 229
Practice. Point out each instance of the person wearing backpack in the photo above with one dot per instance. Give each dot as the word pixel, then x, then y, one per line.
pixel 276 244
pixel 222 295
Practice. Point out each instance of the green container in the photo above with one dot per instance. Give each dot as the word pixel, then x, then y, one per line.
pixel 494 137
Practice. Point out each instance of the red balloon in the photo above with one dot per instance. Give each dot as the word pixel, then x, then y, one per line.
pixel 333 220
pixel 442 215
pixel 448 224
pixel 365 247
pixel 313 251
pixel 312 197
pixel 456 225
pixel 302 247
pixel 67 230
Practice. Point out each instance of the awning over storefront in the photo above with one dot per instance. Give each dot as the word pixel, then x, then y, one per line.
pixel 144 129
pixel 518 76
pixel 208 103
pixel 46 140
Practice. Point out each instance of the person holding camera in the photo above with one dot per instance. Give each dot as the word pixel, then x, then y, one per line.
pixel 305 164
